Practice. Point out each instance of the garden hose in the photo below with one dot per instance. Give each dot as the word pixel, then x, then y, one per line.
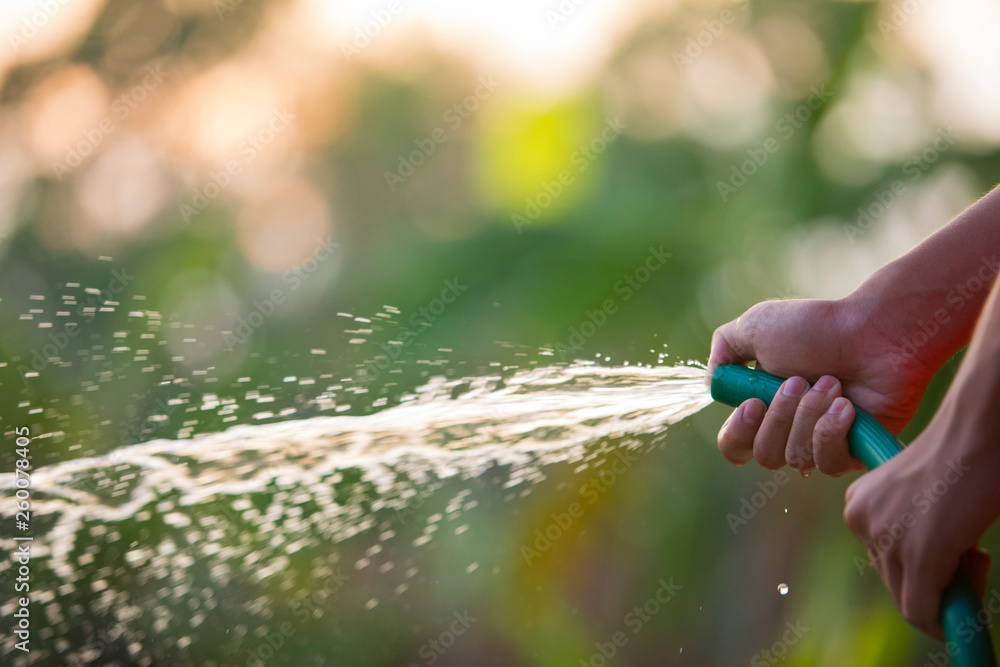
pixel 968 637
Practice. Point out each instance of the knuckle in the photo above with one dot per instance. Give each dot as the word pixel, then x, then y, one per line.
pixel 854 517
pixel 717 338
pixel 781 415
pixel 812 405
pixel 754 311
pixel 769 459
pixel 824 433
pixel 769 452
pixel 795 457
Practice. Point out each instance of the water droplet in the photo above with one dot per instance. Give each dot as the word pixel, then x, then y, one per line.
pixel 783 589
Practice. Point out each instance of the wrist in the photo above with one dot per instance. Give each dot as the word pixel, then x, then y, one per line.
pixel 902 329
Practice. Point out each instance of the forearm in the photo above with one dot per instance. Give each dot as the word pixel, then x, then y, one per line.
pixel 929 299
pixel 971 416
pixel 923 512
pixel 976 388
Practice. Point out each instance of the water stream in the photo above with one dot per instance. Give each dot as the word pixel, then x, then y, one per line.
pixel 135 548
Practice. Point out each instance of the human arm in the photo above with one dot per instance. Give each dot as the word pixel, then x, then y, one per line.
pixel 878 347
pixel 925 509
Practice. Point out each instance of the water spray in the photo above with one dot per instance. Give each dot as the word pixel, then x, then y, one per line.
pixel 873 445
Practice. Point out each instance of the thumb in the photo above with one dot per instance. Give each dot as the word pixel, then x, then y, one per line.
pixel 731 343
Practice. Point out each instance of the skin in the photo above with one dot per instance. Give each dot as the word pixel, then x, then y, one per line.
pixel 879 347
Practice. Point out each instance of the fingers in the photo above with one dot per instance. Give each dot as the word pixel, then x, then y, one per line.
pixel 905 553
pixel 805 428
pixel 912 583
pixel 852 517
pixel 830 451
pixel 917 587
pixel 770 441
pixel 737 434
pixel 814 404
pixel 920 597
pixel 891 571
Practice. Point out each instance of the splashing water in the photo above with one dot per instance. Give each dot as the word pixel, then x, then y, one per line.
pixel 145 540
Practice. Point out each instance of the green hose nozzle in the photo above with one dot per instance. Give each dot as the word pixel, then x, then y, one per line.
pixel 968 638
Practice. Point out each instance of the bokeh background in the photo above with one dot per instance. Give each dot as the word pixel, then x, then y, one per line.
pixel 239 193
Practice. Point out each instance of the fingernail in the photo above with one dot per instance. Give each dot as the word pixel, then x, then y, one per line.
pixel 753 412
pixel 839 406
pixel 794 387
pixel 825 384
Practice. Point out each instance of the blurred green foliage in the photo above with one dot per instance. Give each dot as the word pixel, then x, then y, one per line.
pixel 526 289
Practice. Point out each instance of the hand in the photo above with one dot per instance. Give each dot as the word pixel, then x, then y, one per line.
pixel 922 513
pixel 841 346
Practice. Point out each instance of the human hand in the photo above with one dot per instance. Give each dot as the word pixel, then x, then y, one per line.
pixel 922 513
pixel 839 346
